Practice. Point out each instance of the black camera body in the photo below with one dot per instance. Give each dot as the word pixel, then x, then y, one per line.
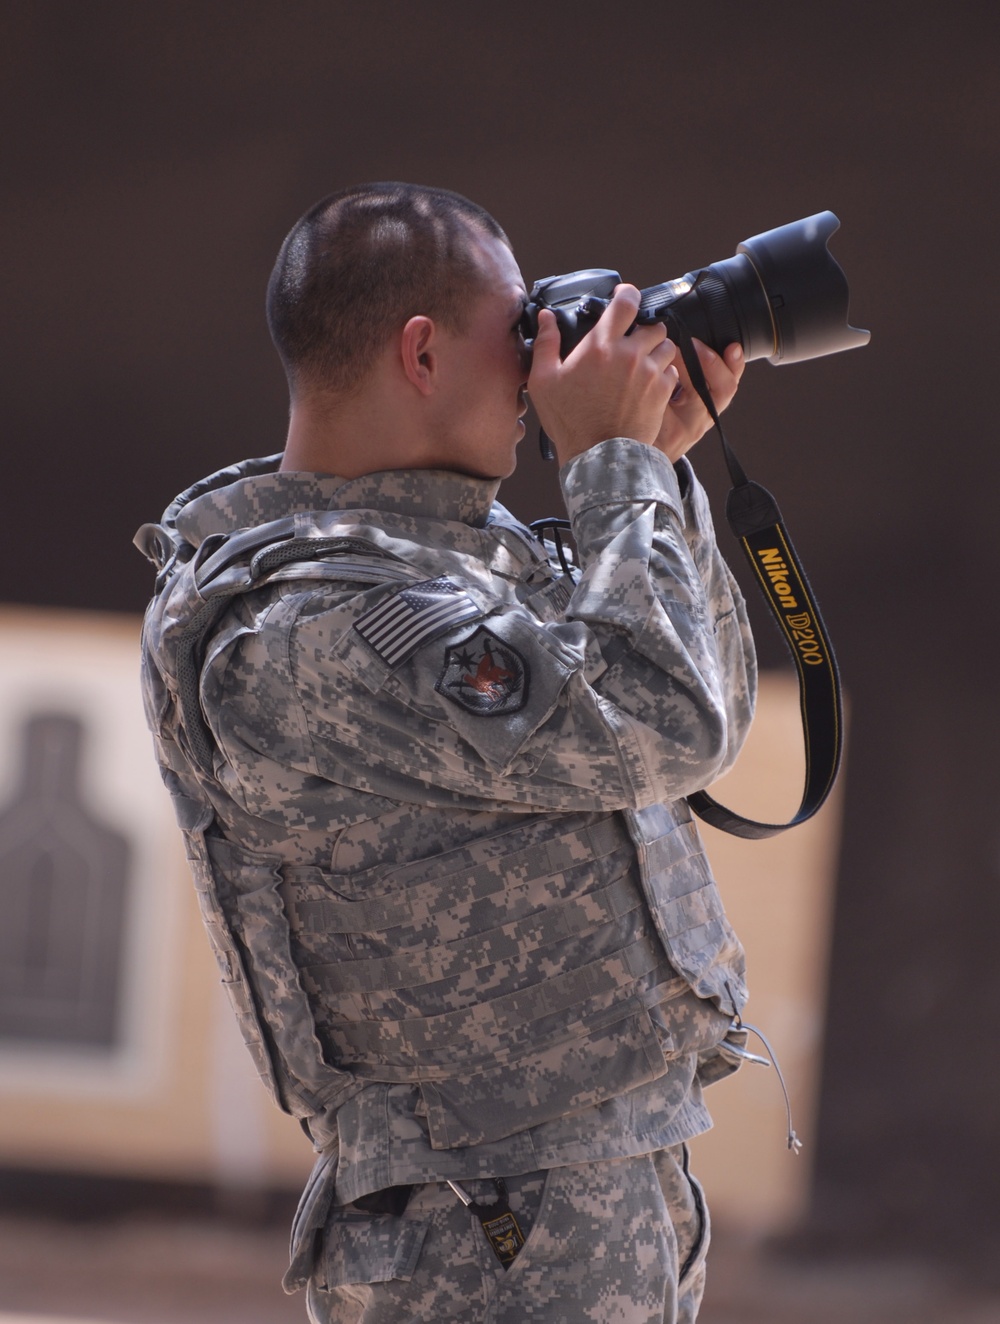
pixel 782 296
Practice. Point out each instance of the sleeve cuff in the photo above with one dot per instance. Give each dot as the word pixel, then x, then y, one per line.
pixel 618 472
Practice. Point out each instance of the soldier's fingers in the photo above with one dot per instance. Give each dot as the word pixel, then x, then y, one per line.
pixel 722 372
pixel 649 337
pixel 663 353
pixel 722 375
pixel 620 312
pixel 735 360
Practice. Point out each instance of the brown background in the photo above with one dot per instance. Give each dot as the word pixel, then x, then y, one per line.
pixel 155 157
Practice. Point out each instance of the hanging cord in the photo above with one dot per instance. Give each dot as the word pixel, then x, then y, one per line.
pixel 556 528
pixel 794 1143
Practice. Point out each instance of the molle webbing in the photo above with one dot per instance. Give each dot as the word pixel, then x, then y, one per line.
pixel 513 1025
pixel 561 921
pixel 558 964
pixel 430 892
pixel 496 954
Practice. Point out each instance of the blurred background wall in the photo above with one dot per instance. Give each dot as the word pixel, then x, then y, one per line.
pixel 154 158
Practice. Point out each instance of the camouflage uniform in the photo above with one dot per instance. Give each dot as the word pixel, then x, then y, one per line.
pixel 622 1240
pixel 432 793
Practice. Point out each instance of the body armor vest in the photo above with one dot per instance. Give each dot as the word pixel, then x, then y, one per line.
pixel 565 930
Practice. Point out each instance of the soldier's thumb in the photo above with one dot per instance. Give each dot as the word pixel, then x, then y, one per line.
pixel 545 353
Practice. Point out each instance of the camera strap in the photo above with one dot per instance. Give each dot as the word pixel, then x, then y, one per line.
pixel 755 520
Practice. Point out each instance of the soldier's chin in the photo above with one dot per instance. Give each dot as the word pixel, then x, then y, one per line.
pixel 513 451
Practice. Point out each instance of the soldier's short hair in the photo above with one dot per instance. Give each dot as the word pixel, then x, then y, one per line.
pixel 358 265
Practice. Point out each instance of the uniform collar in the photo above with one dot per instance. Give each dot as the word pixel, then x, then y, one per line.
pixel 254 493
pixel 424 493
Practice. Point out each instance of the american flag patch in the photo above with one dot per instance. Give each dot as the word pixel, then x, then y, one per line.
pixel 401 623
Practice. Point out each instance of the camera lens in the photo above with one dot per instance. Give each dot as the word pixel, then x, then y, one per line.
pixel 782 296
pixel 719 304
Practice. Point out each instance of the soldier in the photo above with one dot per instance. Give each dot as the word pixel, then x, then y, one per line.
pixel 432 786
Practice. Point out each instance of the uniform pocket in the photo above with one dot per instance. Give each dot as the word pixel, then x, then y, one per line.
pixel 369 1248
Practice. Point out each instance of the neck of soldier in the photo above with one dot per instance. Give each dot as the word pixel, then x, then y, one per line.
pixel 384 423
pixel 351 436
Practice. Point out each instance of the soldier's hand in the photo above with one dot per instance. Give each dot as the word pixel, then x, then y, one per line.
pixel 610 385
pixel 686 420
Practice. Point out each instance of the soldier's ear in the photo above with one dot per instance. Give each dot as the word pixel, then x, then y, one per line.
pixel 419 353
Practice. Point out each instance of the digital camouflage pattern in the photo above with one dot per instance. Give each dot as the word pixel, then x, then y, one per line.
pixel 643 1221
pixel 432 796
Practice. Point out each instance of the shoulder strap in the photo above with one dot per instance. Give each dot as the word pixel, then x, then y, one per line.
pixel 245 562
pixel 755 520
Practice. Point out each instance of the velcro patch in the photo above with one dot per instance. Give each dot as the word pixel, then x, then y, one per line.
pixel 485 676
pixel 402 622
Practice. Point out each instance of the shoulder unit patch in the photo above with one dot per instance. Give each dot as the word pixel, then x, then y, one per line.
pixel 484 675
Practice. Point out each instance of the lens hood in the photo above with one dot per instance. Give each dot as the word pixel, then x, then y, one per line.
pixel 805 288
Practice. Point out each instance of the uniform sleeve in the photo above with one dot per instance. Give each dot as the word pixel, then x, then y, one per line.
pixel 641 692
pixel 666 609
